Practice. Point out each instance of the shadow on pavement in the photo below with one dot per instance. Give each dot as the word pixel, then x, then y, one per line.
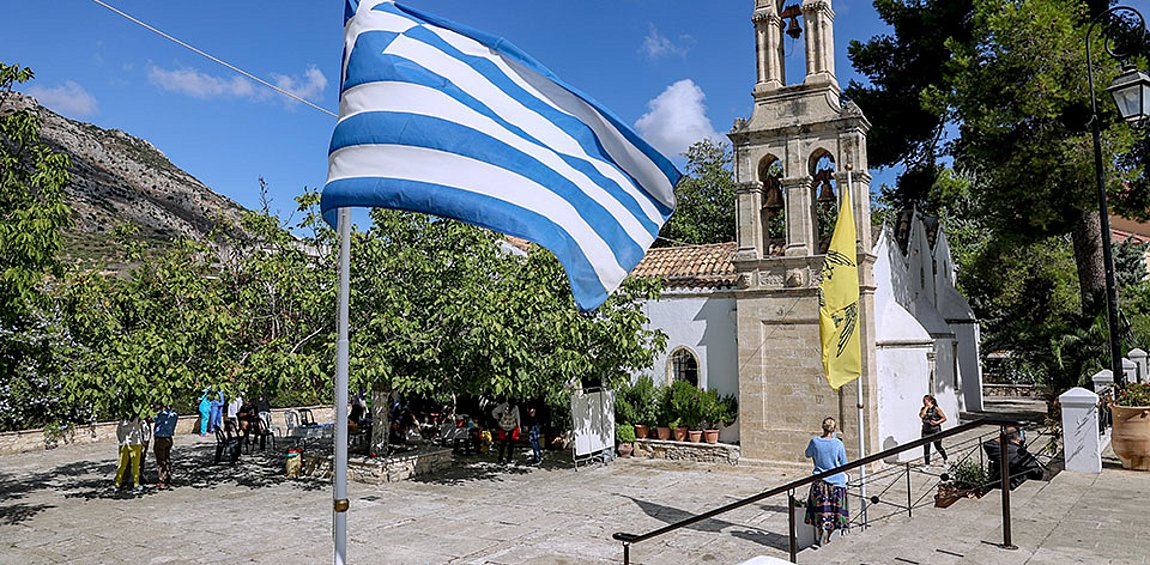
pixel 671 515
pixel 193 466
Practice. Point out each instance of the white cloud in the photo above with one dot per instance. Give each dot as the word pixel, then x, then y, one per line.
pixel 310 86
pixel 657 45
pixel 200 85
pixel 196 84
pixel 68 98
pixel 677 118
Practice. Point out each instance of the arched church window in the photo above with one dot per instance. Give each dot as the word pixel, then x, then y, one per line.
pixel 684 366
pixel 825 194
pixel 774 212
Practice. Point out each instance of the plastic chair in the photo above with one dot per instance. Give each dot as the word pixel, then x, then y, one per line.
pixel 291 418
pixel 306 419
pixel 266 430
pixel 226 441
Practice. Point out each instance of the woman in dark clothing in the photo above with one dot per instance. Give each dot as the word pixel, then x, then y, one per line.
pixel 932 419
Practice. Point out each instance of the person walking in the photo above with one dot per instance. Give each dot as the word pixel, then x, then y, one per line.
pixel 827 508
pixel 205 408
pixel 130 436
pixel 533 426
pixel 165 431
pixel 507 415
pixel 932 419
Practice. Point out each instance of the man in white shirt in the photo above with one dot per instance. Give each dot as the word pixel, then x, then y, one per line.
pixel 130 435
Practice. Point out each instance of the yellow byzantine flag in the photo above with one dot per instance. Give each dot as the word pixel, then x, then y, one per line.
pixel 839 301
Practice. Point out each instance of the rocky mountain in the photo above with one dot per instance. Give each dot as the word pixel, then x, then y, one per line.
pixel 119 178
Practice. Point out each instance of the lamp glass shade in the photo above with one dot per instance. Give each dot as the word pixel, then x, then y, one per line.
pixel 1131 92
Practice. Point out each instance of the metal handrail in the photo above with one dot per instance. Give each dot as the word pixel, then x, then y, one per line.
pixel 630 539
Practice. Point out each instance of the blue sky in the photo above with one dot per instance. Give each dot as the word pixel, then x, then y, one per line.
pixel 687 63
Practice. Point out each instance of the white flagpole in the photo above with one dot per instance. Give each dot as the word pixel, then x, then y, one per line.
pixel 859 403
pixel 339 496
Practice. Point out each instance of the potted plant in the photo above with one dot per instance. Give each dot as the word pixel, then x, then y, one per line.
pixel 641 396
pixel 624 439
pixel 968 480
pixel 1131 435
pixel 665 413
pixel 684 404
pixel 712 409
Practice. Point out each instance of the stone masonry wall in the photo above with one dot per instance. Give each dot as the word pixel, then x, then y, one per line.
pixel 36 440
pixel 686 451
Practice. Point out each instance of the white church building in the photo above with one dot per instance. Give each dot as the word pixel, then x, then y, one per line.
pixel 742 317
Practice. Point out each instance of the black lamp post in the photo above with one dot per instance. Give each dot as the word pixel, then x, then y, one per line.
pixel 1131 92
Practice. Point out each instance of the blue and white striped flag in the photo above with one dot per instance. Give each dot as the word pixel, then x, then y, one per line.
pixel 439 118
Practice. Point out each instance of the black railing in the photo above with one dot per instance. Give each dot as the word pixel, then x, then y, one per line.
pixel 1004 472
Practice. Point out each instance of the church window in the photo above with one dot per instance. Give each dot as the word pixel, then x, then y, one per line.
pixel 685 367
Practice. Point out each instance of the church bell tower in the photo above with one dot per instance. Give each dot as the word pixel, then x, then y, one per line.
pixel 791 160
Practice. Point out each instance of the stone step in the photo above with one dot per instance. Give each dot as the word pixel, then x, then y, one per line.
pixel 965 531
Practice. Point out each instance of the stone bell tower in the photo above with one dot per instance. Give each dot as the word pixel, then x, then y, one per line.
pixel 791 160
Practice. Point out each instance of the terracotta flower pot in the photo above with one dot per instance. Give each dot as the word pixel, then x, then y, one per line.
pixel 663 432
pixel 1131 436
pixel 640 431
pixel 711 436
pixel 680 434
pixel 625 449
pixel 695 435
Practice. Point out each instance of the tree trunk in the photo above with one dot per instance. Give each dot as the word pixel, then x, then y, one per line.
pixel 380 415
pixel 1087 238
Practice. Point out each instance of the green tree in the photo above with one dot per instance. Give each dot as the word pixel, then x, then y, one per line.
pixel 35 344
pixel 705 209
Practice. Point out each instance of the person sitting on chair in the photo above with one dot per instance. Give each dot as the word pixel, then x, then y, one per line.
pixel 1021 465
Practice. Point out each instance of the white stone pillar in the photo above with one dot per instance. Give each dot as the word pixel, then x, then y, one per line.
pixel 1129 370
pixel 1139 358
pixel 1102 380
pixel 1080 438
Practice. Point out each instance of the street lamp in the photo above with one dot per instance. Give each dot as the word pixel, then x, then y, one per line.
pixel 1131 92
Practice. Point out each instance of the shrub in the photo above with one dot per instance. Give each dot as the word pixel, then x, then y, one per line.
pixel 686 404
pixel 711 408
pixel 1135 394
pixel 624 433
pixel 728 409
pixel 968 474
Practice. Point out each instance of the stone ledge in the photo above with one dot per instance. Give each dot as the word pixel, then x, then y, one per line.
pixel 380 470
pixel 687 451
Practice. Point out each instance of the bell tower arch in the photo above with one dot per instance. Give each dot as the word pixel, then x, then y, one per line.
pixel 791 161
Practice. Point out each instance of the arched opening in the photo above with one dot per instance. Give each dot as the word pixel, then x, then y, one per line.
pixel 824 192
pixel 774 212
pixel 684 366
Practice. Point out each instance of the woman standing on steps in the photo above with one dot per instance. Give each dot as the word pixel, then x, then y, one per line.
pixel 932 419
pixel 827 502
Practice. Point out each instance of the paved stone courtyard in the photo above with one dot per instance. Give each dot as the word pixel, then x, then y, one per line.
pixel 55 508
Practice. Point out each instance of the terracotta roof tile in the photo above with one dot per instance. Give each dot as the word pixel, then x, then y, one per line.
pixel 691 266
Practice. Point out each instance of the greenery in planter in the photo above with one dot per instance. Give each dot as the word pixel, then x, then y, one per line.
pixel 624 433
pixel 637 403
pixel 968 474
pixel 1135 394
pixel 728 410
pixel 625 411
pixel 664 409
pixel 711 408
pixel 687 404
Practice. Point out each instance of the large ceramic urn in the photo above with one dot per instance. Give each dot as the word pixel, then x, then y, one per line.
pixel 1131 436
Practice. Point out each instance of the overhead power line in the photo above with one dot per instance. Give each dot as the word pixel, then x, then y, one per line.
pixel 200 52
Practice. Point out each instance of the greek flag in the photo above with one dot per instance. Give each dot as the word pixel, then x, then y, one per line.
pixel 439 118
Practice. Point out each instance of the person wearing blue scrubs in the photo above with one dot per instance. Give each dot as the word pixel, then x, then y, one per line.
pixel 216 413
pixel 205 413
